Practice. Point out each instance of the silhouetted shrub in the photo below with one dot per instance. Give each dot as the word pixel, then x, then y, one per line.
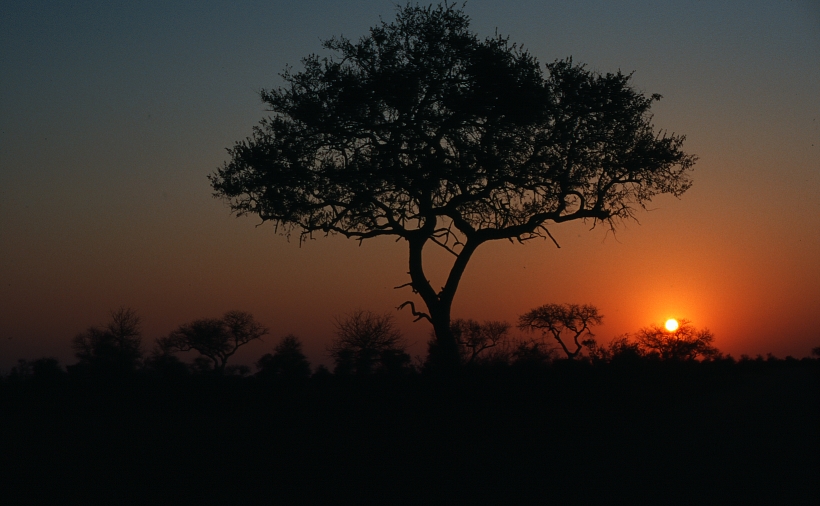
pixel 287 363
pixel 487 341
pixel 47 370
pixel 113 349
pixel 366 343
pixel 532 353
pixel 20 371
pixel 237 370
pixel 321 374
pixel 685 343
pixel 166 365
pixel 620 350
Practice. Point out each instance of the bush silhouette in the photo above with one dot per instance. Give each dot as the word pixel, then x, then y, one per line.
pixel 685 343
pixel 367 342
pixel 488 340
pixel 113 349
pixel 287 363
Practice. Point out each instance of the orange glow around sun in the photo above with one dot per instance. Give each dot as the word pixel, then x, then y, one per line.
pixel 671 325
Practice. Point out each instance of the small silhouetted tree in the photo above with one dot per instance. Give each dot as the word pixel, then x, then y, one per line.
pixel 164 364
pixel 216 339
pixel 47 371
pixel 475 339
pixel 685 343
pixel 21 371
pixel 423 131
pixel 620 349
pixel 287 363
pixel 116 347
pixel 44 373
pixel 532 352
pixel 367 342
pixel 567 324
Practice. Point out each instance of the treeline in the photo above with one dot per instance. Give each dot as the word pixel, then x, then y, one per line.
pixel 367 343
pixel 635 421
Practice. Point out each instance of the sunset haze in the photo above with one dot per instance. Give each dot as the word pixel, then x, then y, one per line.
pixel 113 116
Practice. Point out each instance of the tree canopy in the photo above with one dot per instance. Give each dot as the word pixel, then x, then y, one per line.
pixel 117 347
pixel 215 338
pixel 571 320
pixel 367 342
pixel 684 343
pixel 424 131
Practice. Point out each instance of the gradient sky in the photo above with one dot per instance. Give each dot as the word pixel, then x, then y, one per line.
pixel 113 113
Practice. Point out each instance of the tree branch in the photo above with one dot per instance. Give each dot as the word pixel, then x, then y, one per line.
pixel 418 314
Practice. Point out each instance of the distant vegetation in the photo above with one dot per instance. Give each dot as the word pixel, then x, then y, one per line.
pixel 652 417
pixel 367 343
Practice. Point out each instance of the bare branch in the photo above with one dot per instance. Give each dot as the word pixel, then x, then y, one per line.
pixel 551 237
pixel 418 314
pixel 444 245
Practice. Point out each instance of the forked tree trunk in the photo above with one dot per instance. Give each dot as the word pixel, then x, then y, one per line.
pixel 444 356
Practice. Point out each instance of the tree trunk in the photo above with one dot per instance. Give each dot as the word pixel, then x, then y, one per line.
pixel 444 355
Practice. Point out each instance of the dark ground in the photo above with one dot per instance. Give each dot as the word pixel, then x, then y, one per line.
pixel 649 433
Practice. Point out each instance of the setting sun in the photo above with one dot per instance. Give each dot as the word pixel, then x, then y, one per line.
pixel 671 325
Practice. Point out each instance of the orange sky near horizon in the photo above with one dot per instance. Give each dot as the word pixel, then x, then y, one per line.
pixel 119 114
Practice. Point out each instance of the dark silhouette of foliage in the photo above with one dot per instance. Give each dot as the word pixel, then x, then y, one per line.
pixel 423 131
pixel 532 353
pixel 367 342
pixel 165 364
pixel 21 371
pixel 287 363
pixel 474 339
pixel 620 349
pixel 494 434
pixel 216 339
pixel 237 370
pixel 562 322
pixel 46 372
pixel 685 343
pixel 117 347
pixel 322 374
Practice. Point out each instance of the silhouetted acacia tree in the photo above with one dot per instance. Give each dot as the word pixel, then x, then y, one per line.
pixel 287 362
pixel 685 343
pixel 113 348
pixel 367 342
pixel 563 322
pixel 424 131
pixel 214 338
pixel 475 338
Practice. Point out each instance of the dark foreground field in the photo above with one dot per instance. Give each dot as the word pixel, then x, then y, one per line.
pixel 648 433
